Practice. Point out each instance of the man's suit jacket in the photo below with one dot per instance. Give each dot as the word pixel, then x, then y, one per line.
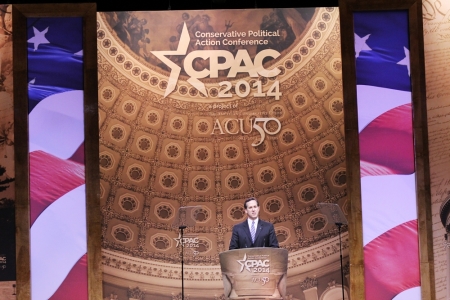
pixel 264 237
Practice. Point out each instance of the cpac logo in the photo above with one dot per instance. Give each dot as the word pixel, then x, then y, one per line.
pixel 187 242
pixel 2 259
pixel 241 63
pixel 254 265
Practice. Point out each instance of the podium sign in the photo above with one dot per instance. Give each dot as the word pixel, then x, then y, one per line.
pixel 254 273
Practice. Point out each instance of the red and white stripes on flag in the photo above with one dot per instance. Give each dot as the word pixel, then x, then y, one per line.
pixel 57 199
pixel 388 194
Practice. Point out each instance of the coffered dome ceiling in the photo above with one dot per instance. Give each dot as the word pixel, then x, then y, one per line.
pixel 159 153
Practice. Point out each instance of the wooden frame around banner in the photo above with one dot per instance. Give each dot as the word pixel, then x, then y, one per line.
pixel 88 13
pixel 414 8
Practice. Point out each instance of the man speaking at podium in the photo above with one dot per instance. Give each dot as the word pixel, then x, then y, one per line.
pixel 253 232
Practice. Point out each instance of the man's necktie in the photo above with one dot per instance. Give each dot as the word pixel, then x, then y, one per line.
pixel 253 231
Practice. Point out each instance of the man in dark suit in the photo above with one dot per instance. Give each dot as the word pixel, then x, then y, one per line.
pixel 253 232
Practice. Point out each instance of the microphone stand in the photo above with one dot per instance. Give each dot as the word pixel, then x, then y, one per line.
pixel 334 212
pixel 186 217
pixel 339 225
pixel 182 227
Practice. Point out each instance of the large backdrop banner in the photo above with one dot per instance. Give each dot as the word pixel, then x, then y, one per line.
pixel 205 109
pixel 436 23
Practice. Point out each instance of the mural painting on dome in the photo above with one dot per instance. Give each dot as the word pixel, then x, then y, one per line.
pixel 7 173
pixel 205 109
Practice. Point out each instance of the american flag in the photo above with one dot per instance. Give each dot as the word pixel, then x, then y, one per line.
pixel 388 189
pixel 57 177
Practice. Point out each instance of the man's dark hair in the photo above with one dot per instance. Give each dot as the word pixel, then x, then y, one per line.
pixel 250 199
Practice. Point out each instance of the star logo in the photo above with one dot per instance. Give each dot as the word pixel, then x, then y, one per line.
pixel 178 240
pixel 38 38
pixel 242 263
pixel 175 69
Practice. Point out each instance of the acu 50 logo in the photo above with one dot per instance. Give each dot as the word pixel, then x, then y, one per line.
pixel 241 63
pixel 253 125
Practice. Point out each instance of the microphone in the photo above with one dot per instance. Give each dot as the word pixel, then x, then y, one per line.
pixel 264 245
pixel 245 242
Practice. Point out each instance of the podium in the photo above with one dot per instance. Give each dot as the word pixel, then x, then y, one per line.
pixel 254 273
